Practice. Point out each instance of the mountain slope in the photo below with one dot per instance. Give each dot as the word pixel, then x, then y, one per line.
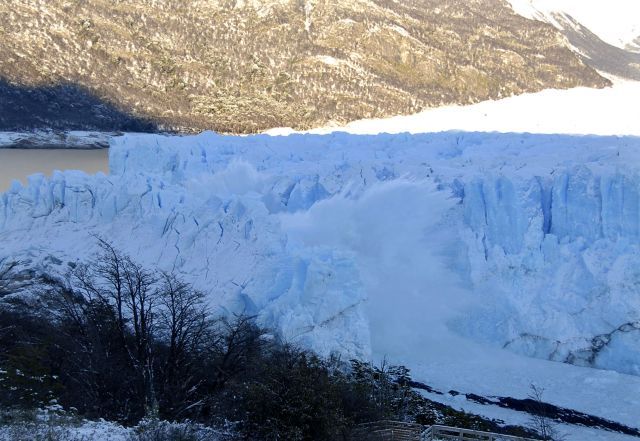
pixel 615 22
pixel 606 34
pixel 246 66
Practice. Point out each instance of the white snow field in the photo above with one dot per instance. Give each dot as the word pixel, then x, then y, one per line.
pixel 52 423
pixel 473 258
pixel 609 111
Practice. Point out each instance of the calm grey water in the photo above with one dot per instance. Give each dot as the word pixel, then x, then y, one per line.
pixel 18 163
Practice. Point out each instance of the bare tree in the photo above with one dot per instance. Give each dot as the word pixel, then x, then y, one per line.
pixel 541 420
pixel 6 271
pixel 234 342
pixel 184 322
pixel 12 280
pixel 117 282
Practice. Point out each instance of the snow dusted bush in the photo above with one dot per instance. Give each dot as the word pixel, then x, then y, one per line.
pixel 54 424
pixel 157 430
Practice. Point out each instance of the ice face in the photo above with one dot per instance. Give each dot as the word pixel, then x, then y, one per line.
pixel 344 242
pixel 559 257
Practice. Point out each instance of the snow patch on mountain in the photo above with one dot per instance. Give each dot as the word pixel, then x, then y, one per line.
pixel 616 22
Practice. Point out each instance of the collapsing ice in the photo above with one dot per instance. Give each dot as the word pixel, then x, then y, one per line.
pixel 527 242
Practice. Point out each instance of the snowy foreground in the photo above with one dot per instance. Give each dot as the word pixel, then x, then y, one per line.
pixel 53 423
pixel 472 258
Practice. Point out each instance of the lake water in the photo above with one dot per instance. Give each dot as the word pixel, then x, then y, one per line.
pixel 19 163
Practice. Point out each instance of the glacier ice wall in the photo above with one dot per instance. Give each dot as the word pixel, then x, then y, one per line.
pixel 564 252
pixel 542 231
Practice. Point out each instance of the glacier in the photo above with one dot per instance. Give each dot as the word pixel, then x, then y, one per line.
pixel 399 245
pixel 547 229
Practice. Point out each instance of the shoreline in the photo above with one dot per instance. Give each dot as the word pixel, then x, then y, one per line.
pixel 56 140
pixel 17 164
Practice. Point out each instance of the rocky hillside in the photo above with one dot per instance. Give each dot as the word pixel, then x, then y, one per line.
pixel 249 65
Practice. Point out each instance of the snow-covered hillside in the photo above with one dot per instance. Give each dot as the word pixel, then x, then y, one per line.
pixel 616 22
pixel 606 35
pixel 462 254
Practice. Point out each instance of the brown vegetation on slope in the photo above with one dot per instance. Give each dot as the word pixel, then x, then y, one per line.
pixel 249 65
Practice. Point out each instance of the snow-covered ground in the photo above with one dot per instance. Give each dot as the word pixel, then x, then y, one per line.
pixel 470 257
pixel 570 431
pixel 609 111
pixel 53 423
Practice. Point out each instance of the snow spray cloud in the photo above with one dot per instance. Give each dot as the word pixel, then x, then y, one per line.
pixel 398 235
